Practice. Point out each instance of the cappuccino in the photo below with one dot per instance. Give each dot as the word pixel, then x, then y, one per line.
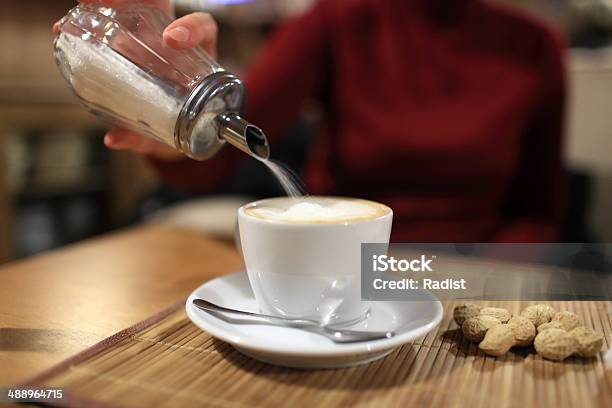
pixel 303 255
pixel 317 210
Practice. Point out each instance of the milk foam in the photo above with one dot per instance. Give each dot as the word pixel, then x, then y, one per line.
pixel 316 212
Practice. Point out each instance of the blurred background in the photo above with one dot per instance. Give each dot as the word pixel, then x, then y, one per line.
pixel 59 184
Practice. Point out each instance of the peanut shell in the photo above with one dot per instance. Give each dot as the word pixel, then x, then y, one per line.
pixel 524 331
pixel 549 325
pixel 589 341
pixel 464 312
pixel 555 344
pixel 500 314
pixel 566 320
pixel 474 329
pixel 497 341
pixel 539 314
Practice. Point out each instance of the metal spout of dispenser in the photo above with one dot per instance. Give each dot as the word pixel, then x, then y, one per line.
pixel 243 135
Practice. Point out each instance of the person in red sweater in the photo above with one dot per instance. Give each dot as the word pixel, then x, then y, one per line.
pixel 450 112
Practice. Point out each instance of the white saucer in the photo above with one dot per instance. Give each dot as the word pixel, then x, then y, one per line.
pixel 297 348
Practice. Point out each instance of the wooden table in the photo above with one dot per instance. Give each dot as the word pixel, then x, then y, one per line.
pixel 57 304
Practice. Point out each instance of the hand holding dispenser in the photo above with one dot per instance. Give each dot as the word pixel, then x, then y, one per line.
pixel 118 65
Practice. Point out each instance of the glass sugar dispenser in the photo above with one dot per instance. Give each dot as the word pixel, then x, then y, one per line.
pixel 118 65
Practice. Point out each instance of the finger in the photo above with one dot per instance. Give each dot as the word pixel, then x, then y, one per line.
pixel 128 141
pixel 120 139
pixel 56 27
pixel 191 30
pixel 111 142
pixel 123 139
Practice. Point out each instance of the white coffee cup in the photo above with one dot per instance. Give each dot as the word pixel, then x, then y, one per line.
pixel 309 269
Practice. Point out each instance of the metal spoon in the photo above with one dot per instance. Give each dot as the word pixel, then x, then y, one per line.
pixel 336 335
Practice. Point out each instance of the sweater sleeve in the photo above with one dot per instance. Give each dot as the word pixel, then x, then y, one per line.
pixel 289 70
pixel 535 207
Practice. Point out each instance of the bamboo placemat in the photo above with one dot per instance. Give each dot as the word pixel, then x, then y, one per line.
pixel 167 361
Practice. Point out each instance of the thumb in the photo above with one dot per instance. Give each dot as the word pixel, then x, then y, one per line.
pixel 191 30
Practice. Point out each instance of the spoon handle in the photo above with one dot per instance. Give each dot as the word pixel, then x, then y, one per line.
pixel 336 335
pixel 211 307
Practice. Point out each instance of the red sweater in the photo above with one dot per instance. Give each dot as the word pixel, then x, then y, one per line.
pixel 450 112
